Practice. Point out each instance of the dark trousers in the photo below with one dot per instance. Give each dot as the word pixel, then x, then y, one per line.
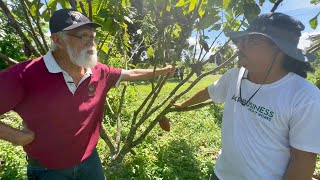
pixel 90 168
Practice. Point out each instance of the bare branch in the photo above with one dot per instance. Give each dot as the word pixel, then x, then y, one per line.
pixel 109 106
pixel 83 9
pixel 90 9
pixel 9 60
pixel 118 138
pixel 276 5
pixel 73 4
pixel 39 27
pixel 189 108
pixel 32 33
pixel 104 135
pixel 101 43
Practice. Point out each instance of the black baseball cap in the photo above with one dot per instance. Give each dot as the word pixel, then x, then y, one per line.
pixel 67 19
pixel 282 29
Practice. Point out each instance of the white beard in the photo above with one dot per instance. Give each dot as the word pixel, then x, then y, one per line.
pixel 84 58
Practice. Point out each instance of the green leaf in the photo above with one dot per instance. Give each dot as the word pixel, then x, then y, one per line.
pixel 64 4
pixel 273 1
pixel 105 49
pixel 176 31
pixel 180 3
pixel 33 10
pixel 202 9
pixel 192 5
pixel 206 22
pixel 150 52
pixel 261 2
pixel 251 10
pixel 201 12
pixel 215 27
pixel 314 21
pixel 225 4
pixel 168 8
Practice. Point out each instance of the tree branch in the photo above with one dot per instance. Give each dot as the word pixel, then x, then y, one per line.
pixel 189 108
pixel 9 60
pixel 83 9
pixel 16 26
pixel 276 5
pixel 73 4
pixel 39 27
pixel 33 33
pixel 90 9
pixel 167 108
pixel 118 138
pixel 104 135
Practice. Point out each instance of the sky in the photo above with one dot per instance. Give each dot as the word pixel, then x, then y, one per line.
pixel 300 9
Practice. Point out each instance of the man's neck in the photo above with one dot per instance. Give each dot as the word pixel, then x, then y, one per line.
pixel 265 78
pixel 65 63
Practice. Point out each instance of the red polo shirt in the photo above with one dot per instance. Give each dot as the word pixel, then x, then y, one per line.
pixel 66 125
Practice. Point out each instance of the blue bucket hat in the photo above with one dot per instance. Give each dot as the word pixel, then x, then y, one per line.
pixel 283 30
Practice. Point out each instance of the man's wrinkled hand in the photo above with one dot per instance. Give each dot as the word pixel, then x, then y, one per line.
pixel 26 137
pixel 169 69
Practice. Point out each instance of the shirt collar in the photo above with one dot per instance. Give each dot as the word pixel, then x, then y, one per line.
pixel 52 65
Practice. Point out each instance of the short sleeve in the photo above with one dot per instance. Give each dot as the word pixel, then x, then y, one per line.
pixel 11 89
pixel 304 128
pixel 218 90
pixel 120 78
pixel 112 75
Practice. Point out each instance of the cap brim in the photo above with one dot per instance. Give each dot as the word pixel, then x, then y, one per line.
pixel 74 26
pixel 288 49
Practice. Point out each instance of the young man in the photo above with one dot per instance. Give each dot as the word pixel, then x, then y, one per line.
pixel 60 98
pixel 271 113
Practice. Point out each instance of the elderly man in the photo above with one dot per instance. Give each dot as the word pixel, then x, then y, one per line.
pixel 271 113
pixel 60 98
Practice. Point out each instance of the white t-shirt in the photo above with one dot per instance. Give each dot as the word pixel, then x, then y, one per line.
pixel 256 138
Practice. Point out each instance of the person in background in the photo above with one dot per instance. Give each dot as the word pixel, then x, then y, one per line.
pixel 181 72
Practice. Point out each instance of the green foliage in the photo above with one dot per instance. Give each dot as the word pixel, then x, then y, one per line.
pixel 10 44
pixel 315 1
pixel 314 21
pixel 12 158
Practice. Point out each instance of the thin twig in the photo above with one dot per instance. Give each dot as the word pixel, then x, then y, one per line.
pixel 118 138
pixel 276 5
pixel 39 27
pixel 83 9
pixel 189 108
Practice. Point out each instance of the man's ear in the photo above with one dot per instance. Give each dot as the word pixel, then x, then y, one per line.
pixel 58 40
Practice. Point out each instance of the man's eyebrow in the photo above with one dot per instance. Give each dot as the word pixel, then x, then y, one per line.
pixel 81 33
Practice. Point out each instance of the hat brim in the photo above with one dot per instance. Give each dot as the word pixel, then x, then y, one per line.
pixel 286 47
pixel 74 26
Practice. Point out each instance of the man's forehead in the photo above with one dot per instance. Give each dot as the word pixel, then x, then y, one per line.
pixel 255 37
pixel 83 29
